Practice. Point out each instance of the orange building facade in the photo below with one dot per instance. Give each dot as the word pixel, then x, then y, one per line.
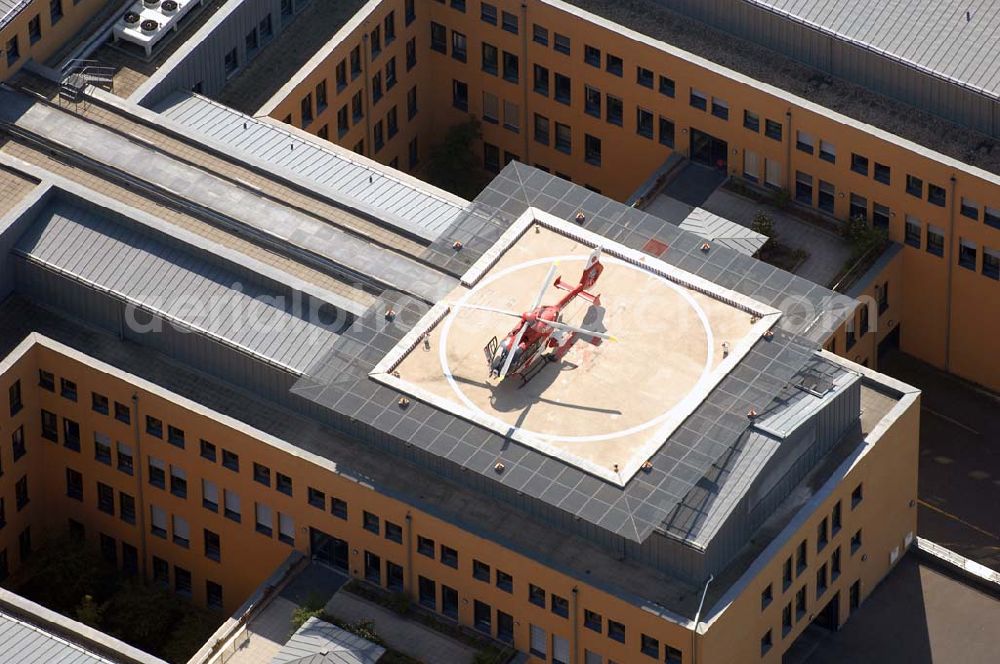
pixel 40 29
pixel 174 491
pixel 604 106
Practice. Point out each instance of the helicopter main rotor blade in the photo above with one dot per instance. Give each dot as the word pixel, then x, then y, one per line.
pixel 545 286
pixel 579 330
pixel 510 351
pixel 478 307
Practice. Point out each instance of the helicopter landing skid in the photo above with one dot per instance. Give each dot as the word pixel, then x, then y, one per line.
pixel 536 368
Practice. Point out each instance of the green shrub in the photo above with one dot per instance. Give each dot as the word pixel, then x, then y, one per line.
pixel 763 224
pixel 399 602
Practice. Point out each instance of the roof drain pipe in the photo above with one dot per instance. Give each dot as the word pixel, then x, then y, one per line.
pixel 949 254
pixel 527 117
pixel 575 647
pixel 697 619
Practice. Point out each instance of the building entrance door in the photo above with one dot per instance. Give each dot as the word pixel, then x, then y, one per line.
pixel 328 549
pixel 709 150
pixel 829 617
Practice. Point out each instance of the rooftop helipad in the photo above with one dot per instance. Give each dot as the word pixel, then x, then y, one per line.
pixel 604 409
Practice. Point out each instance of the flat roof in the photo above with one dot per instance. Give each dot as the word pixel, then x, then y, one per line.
pixel 605 409
pixel 953 39
pixel 332 170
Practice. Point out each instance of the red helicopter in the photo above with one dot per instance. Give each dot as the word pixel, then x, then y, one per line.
pixel 540 329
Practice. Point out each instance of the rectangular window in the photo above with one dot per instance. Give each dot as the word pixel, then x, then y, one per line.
pixel 411 53
pixel 505 581
pixel 410 11
pixel 158 521
pixel 935 240
pixel 859 164
pixel 481 571
pixel 157 472
pixel 801 559
pixel 772 174
pixel 50 426
pixel 667 86
pixel 541 129
pixel 856 542
pixel 822 534
pixel 491 58
pixel 459 46
pixel 914 186
pixel 649 646
pixel 615 111
pixel 751 121
pixel 371 522
pixel 35 29
pixel 882 173
pixel 539 645
pixel 563 90
pixel 71 434
pixel 99 403
pixel 592 55
pixel 666 132
pixel 970 208
pixel 122 413
pixel 182 581
pixel 804 142
pixel 593 621
pixel 154 426
pixel 786 573
pixel 55 11
pixel 449 556
pixel 213 595
pixel 880 216
pixel 488 13
pixel 800 603
pixel 263 519
pixel 765 643
pixel 425 546
pixel 967 253
pixel 46 380
pixel 541 79
pixel 341 75
pixel 511 67
pixel 232 505
pixel 182 532
pixel 178 482
pixel 720 108
pixel 766 597
pixel 393 532
pixel 786 619
pixel 803 188
pixel 251 41
pixel 772 129
pixel 827 196
pixel 505 627
pixel 616 631
pixel 338 507
pixel 102 448
pixel 67 389
pixel 261 474
pixel 828 152
pixel 699 99
pixel 125 463
pixel 936 195
pixel 482 617
pixel 438 38
pixel 286 529
pixel 130 559
pixel 991 217
pixel 561 43
pixel 230 63
pixel 592 149
pixel 230 460
pixel 751 165
pixel 914 233
pixel 509 22
pixel 427 593
pixel 74 484
pixel 536 595
pixel 644 77
pixel 161 572
pixel 564 138
pixel 859 207
pixel 592 101
pixel 175 436
pixel 560 606
pixel 460 95
pixel 644 122
pixel 105 498
pixel 991 263
pixel 857 495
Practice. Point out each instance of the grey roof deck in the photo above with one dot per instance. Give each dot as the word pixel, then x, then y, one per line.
pixel 175 282
pixel 340 380
pixel 23 643
pixel 352 257
pixel 932 35
pixel 381 192
pixel 318 642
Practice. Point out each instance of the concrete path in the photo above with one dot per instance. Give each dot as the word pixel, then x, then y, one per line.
pixel 402 634
pixel 827 251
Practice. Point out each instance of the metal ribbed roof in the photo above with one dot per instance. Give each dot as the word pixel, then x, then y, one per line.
pixel 318 642
pixel 377 191
pixel 11 8
pixel 938 36
pixel 727 233
pixel 23 643
pixel 181 285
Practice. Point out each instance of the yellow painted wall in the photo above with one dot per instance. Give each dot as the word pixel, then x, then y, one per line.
pixel 76 13
pixel 248 556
